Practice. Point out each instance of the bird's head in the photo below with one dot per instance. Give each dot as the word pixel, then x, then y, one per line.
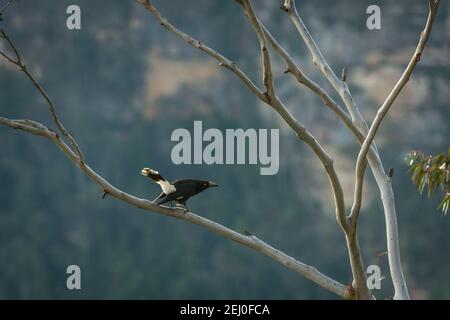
pixel 208 184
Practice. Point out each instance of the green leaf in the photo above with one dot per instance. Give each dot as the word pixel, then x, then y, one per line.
pixel 445 204
pixel 431 172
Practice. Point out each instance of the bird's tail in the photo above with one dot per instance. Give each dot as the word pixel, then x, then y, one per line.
pixel 152 174
pixel 165 185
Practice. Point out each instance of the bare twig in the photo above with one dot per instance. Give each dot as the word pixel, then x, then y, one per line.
pixel 266 63
pixel 17 61
pixel 4 7
pixel 344 74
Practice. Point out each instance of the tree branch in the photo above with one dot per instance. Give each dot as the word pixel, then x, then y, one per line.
pixel 267 68
pixel 4 7
pixel 249 241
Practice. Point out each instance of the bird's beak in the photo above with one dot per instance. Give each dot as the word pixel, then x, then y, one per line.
pixel 212 184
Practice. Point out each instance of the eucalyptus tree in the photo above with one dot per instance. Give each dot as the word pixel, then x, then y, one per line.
pixel 349 115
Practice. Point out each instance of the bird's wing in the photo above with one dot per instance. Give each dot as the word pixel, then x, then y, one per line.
pixel 170 197
pixel 166 186
pixel 187 187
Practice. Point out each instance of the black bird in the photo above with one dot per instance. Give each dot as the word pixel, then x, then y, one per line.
pixel 179 191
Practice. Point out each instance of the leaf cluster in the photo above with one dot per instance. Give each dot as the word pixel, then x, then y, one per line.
pixel 431 172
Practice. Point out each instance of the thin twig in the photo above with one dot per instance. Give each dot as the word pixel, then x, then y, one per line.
pixel 265 56
pixel 3 9
pixel 344 74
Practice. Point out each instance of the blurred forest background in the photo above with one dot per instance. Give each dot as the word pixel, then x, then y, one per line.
pixel 122 84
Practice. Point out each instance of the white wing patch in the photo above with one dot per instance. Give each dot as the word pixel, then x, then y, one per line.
pixel 166 186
